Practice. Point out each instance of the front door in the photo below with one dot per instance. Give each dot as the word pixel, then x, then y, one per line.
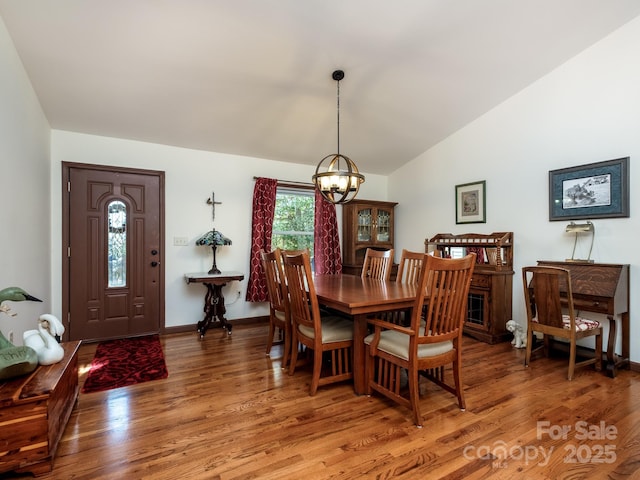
pixel 113 275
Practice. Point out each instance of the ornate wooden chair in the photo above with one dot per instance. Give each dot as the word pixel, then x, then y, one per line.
pixel 377 264
pixel 279 316
pixel 427 345
pixel 319 333
pixel 546 289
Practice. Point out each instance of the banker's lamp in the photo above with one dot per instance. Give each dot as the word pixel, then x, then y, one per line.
pixel 213 239
pixel 577 229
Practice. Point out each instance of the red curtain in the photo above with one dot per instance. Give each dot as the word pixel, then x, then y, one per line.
pixel 326 242
pixel 264 204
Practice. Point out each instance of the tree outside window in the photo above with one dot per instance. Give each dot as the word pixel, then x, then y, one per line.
pixel 293 220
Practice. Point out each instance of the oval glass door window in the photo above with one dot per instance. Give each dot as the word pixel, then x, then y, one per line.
pixel 117 241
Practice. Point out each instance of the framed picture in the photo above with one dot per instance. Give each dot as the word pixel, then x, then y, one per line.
pixel 594 190
pixel 471 203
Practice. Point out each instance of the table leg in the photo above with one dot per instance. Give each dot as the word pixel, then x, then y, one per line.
pixel 213 309
pixel 359 354
pixel 614 361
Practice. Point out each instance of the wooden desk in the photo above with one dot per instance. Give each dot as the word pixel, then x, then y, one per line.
pixel 356 297
pixel 214 299
pixel 602 288
pixel 34 411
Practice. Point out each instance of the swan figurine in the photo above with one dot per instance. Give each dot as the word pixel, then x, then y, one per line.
pixel 43 340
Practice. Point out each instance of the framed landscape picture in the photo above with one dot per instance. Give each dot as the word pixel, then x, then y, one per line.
pixel 594 190
pixel 471 202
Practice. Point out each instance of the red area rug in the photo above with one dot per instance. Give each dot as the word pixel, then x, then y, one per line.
pixel 118 363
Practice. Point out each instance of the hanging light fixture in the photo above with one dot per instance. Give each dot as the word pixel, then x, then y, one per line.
pixel 337 177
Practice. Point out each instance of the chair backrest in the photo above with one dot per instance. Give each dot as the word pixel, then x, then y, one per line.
pixel 293 252
pixel 542 294
pixel 303 302
pixel 377 264
pixel 410 267
pixel 446 283
pixel 274 273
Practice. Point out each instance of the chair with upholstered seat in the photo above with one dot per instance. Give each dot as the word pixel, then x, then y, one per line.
pixel 322 334
pixel 279 317
pixel 377 264
pixel 550 311
pixel 428 344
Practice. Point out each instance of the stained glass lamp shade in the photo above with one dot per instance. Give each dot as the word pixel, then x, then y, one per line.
pixel 213 239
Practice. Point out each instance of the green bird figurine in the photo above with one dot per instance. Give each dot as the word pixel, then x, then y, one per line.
pixel 15 361
pixel 16 294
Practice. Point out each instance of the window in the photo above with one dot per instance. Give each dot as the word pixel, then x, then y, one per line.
pixel 117 243
pixel 293 220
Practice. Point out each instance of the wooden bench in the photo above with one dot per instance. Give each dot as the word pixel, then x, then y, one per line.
pixel 34 411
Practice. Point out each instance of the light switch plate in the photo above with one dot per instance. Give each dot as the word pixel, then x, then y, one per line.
pixel 180 241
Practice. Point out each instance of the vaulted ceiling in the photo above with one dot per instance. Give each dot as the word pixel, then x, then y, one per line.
pixel 253 77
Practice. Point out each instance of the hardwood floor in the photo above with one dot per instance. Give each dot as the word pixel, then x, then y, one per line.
pixel 227 411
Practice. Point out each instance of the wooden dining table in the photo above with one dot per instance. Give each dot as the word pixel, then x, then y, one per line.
pixel 359 298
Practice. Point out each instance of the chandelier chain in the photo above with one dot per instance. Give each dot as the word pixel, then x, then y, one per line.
pixel 338 109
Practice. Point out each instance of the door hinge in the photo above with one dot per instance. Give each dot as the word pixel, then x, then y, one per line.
pixel 69 186
pixel 68 318
pixel 68 252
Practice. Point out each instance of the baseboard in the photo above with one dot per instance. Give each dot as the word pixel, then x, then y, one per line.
pixel 236 323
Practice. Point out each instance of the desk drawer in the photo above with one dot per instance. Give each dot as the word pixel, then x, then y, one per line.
pixel 594 306
pixel 480 281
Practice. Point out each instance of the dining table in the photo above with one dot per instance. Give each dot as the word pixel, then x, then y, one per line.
pixel 359 298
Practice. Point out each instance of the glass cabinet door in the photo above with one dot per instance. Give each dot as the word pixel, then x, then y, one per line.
pixel 383 233
pixel 365 225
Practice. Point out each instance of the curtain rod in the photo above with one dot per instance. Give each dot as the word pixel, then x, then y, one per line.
pixel 292 183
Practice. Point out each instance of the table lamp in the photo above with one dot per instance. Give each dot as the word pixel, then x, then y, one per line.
pixel 578 228
pixel 213 239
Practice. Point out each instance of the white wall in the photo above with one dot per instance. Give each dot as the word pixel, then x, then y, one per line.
pixel 587 110
pixel 190 177
pixel 24 196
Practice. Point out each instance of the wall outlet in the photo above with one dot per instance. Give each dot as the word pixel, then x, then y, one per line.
pixel 180 241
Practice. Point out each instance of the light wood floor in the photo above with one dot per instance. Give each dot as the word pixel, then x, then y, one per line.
pixel 227 411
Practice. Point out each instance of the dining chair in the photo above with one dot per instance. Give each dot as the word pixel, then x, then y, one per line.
pixel 318 333
pixel 550 311
pixel 377 264
pixel 429 343
pixel 279 316
pixel 409 267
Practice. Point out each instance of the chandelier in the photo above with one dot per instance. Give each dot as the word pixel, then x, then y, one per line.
pixel 337 177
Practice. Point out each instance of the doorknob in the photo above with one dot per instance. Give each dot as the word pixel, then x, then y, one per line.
pixel 155 264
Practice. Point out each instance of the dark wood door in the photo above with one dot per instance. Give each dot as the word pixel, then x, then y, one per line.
pixel 114 258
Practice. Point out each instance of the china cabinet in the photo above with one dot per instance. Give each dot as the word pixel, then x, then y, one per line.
pixel 365 224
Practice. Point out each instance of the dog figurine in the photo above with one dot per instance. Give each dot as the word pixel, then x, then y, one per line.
pixel 519 335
